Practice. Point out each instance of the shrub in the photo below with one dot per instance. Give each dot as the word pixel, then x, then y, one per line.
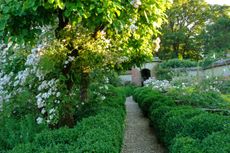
pixel 173 122
pixel 176 63
pixel 59 136
pixel 204 124
pixel 197 98
pixel 148 100
pixel 140 93
pixel 33 148
pixel 218 142
pixel 185 145
pixel 156 116
pixel 164 70
pixel 13 131
pixel 183 128
pixel 223 86
pixel 129 90
pixel 163 73
pixel 99 141
pixel 100 133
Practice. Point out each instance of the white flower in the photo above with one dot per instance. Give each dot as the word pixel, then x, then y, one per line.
pixel 157 44
pixel 58 94
pixel 106 80
pixel 43 111
pixel 103 97
pixel 39 120
pixel 136 3
pixel 57 101
pixel 133 27
pixel 66 62
pixel 40 103
pixel 51 117
pixel 103 33
pixel 71 58
pixel 51 111
pixel 106 87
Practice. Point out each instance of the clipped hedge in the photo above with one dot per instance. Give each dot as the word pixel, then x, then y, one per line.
pixel 174 121
pixel 197 98
pixel 185 145
pixel 204 124
pixel 164 71
pixel 176 63
pixel 14 131
pixel 217 142
pixel 183 128
pixel 100 133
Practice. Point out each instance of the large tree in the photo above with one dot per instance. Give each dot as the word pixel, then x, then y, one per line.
pixel 186 19
pixel 217 38
pixel 83 35
pixel 216 35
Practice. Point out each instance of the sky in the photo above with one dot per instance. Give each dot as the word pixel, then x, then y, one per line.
pixel 220 2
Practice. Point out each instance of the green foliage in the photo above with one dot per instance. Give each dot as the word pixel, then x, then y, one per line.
pixel 197 98
pixel 20 106
pixel 16 131
pixel 207 62
pixel 164 71
pixel 185 145
pixel 184 129
pixel 174 121
pixel 205 124
pixel 223 86
pixel 156 116
pixel 95 16
pixel 59 136
pixel 216 38
pixel 180 35
pixel 176 63
pixel 163 74
pixel 129 89
pixel 218 142
pixel 149 99
pixel 69 40
pixel 101 132
pixel 139 93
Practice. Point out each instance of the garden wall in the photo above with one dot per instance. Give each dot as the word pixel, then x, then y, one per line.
pixel 135 77
pixel 217 69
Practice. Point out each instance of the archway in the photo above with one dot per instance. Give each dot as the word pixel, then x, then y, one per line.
pixel 145 74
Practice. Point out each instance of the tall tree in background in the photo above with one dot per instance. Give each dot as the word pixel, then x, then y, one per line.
pixel 186 19
pixel 216 35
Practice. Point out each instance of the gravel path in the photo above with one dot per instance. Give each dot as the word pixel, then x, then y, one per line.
pixel 139 137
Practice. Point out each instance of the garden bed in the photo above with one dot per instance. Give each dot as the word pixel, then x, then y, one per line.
pixel 184 128
pixel 99 132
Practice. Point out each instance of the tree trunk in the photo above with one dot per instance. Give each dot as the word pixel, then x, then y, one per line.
pixel 84 85
pixel 67 116
pixel 176 50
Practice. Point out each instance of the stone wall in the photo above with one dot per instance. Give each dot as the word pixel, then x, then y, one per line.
pixel 134 76
pixel 217 69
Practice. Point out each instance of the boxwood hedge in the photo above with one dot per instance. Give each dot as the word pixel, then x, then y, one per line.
pixel 184 128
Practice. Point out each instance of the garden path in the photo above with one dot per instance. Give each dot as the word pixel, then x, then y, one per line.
pixel 139 136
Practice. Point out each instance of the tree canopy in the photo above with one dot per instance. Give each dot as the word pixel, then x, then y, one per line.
pixel 186 19
pixel 216 35
pixel 62 42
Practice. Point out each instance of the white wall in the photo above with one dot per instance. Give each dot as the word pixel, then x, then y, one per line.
pixel 126 78
pixel 211 72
